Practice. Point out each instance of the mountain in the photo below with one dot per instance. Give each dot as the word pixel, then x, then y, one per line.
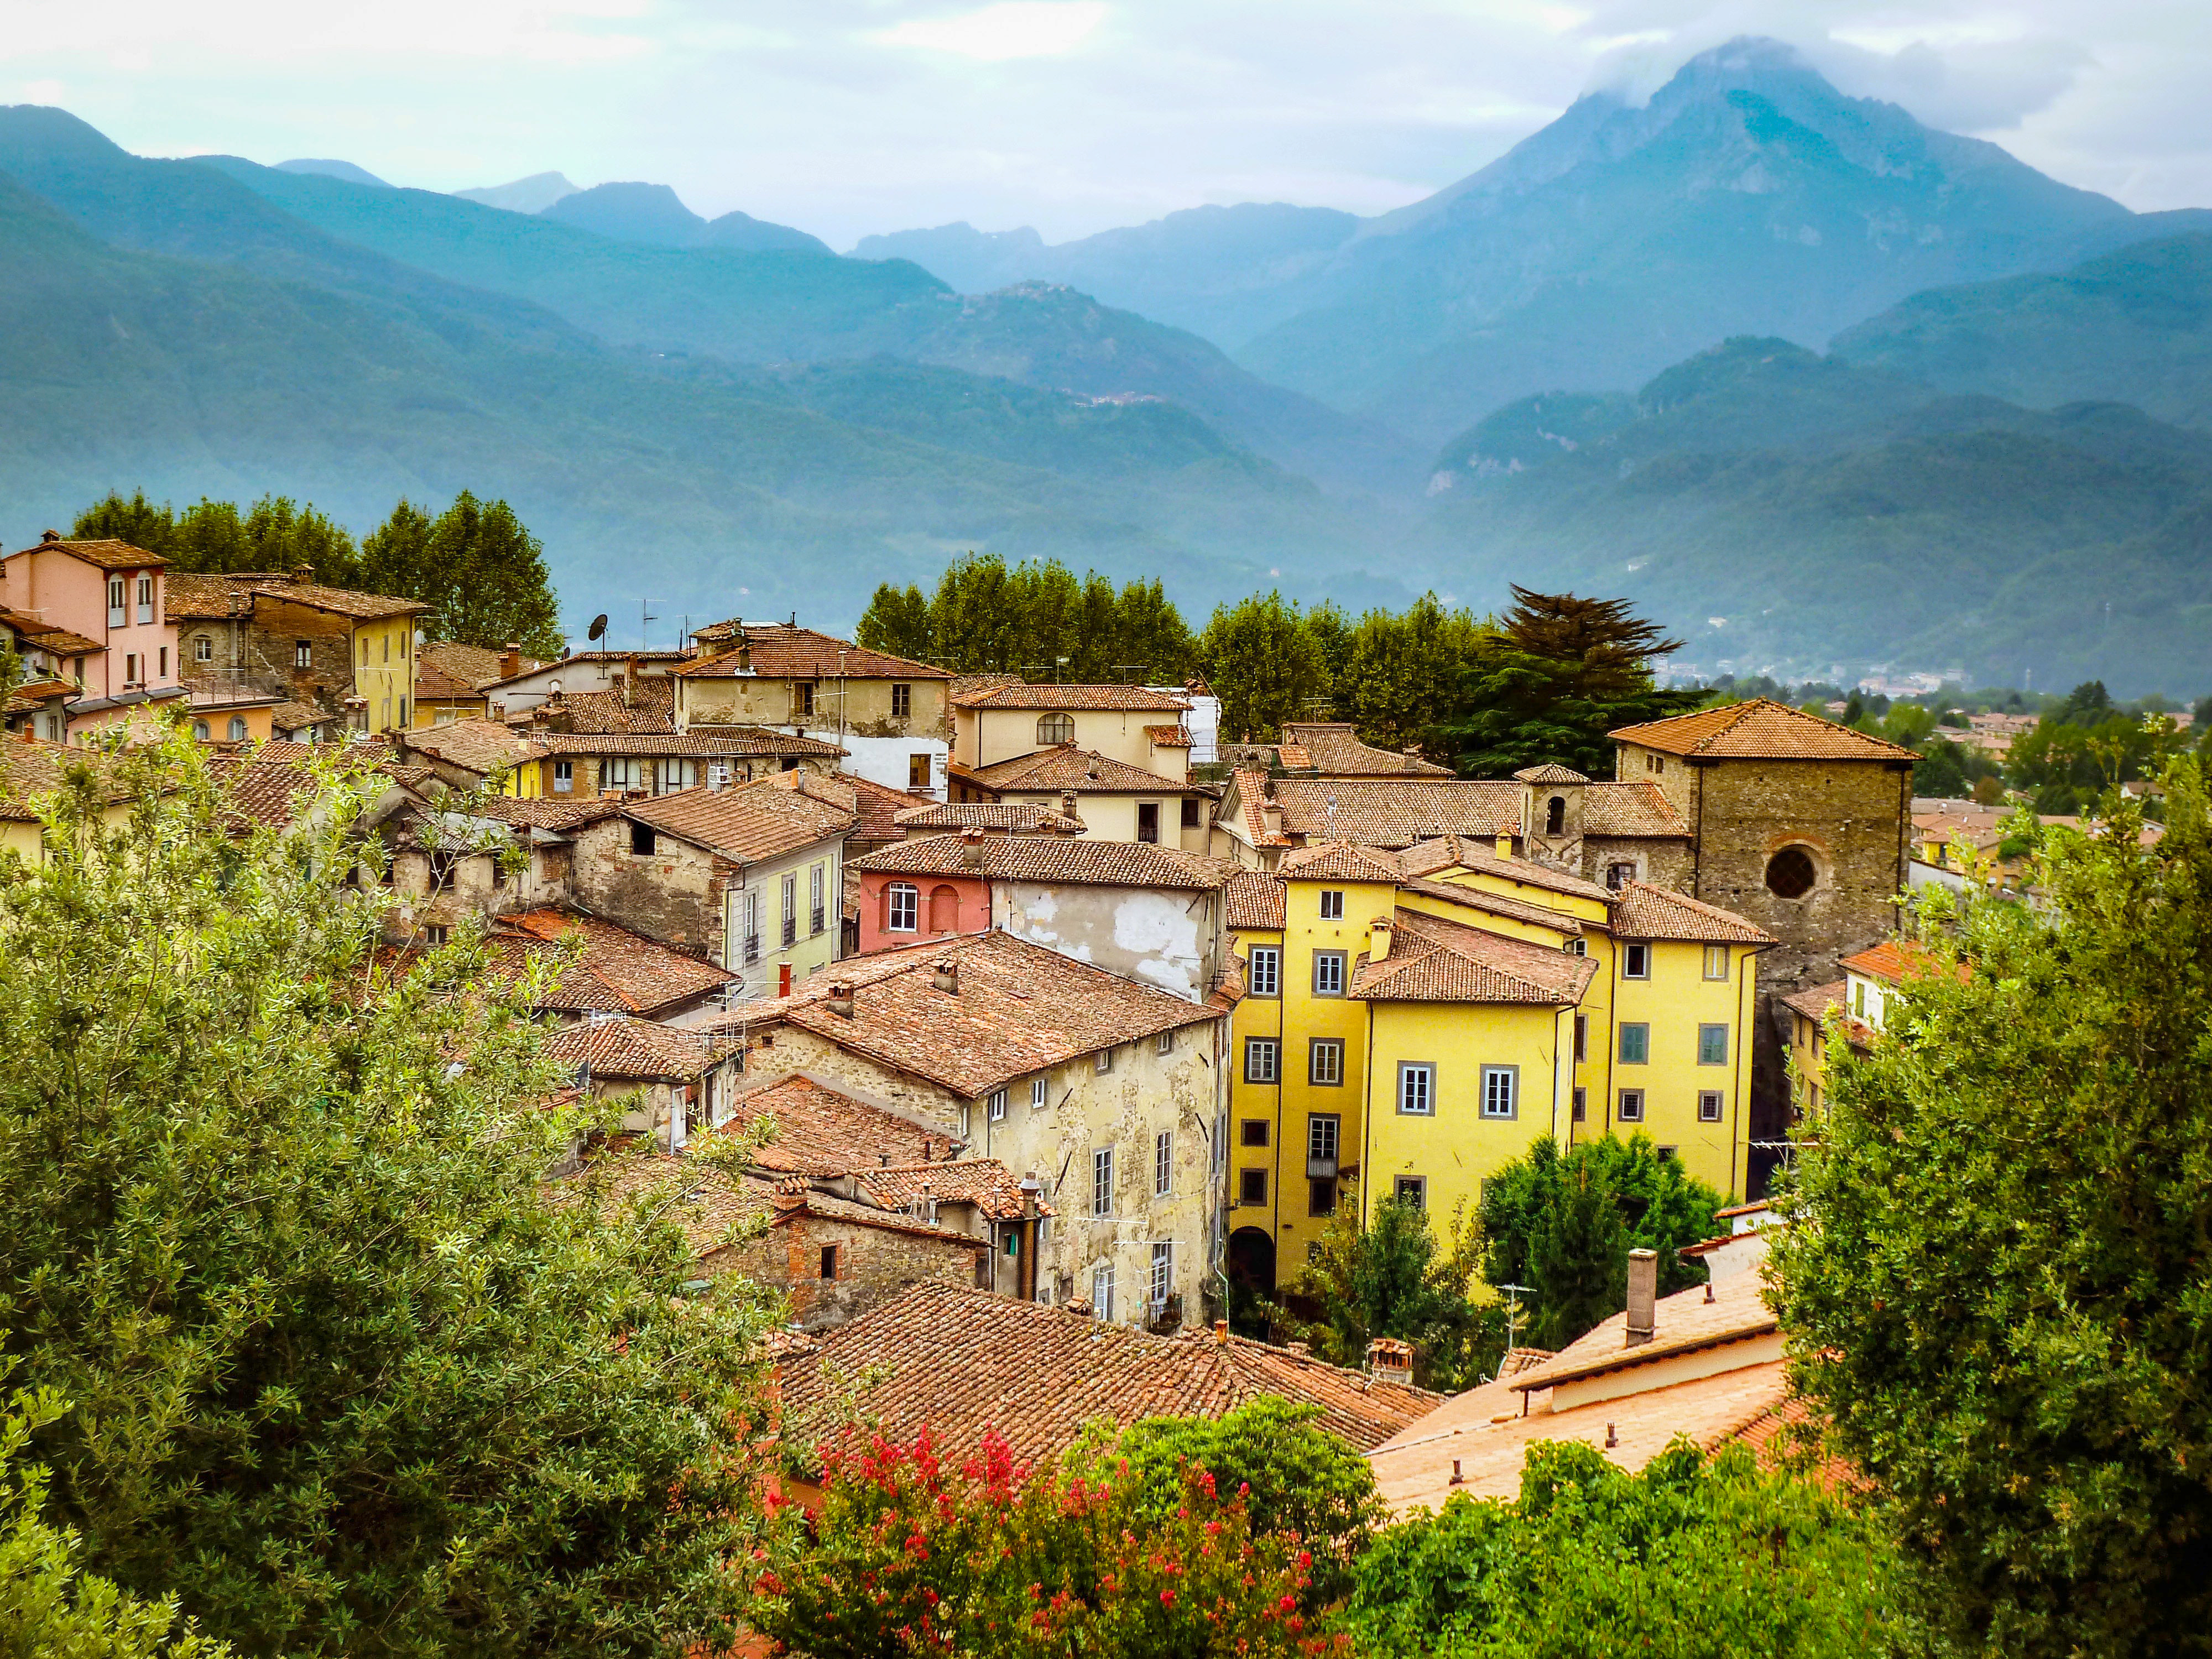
pixel 346 170
pixel 1810 516
pixel 531 195
pixel 2135 327
pixel 654 216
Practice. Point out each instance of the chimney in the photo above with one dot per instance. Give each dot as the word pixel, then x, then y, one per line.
pixel 1457 1479
pixel 1378 938
pixel 510 662
pixel 927 1155
pixel 971 847
pixel 1221 1333
pixel 1643 1296
pixel 1504 844
pixel 1301 1349
pixel 302 574
pixel 946 972
pixel 51 536
pixel 840 997
pixel 1078 1305
pixel 1031 1187
pixel 1390 1360
pixel 1270 816
pixel 629 680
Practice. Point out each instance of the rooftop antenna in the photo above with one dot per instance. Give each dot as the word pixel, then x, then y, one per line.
pixel 1513 1295
pixel 644 615
pixel 599 628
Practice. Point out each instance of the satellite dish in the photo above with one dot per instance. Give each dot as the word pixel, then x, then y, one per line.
pixel 599 630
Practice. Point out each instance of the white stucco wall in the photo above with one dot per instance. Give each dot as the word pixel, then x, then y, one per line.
pixel 1163 938
pixel 884 760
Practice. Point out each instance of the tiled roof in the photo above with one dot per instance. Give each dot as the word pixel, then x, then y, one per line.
pixel 823 1127
pixel 1253 900
pixel 960 1362
pixel 298 716
pixel 1251 791
pixel 189 595
pixel 1395 812
pixel 638 1050
pixel 1758 730
pixel 1631 810
pixel 708 1205
pixel 108 554
pixel 703 743
pixel 1433 960
pixel 265 783
pixel 1815 1002
pixel 482 746
pixel 36 768
pixel 1334 749
pixel 1894 961
pixel 1497 904
pixel 1550 772
pixel 546 811
pixel 1081 770
pixel 881 808
pixel 32 693
pixel 471 666
pixel 985 1183
pixel 434 684
pixel 43 635
pixel 619 971
pixel 1168 737
pixel 1019 1009
pixel 1682 1323
pixel 649 705
pixel 779 651
pixel 1019 694
pixel 1013 817
pixel 1048 858
pixel 1337 860
pixel 763 819
pixel 1644 910
pixel 1467 854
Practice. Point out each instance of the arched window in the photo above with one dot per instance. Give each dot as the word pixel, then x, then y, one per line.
pixel 1555 816
pixel 1055 728
pixel 902 905
pixel 200 730
pixel 1791 873
pixel 237 728
pixel 943 910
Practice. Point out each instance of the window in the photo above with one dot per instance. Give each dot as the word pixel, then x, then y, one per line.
pixel 1036 1094
pixel 1163 1164
pixel 203 649
pixel 1265 970
pixel 944 909
pixel 1859 999
pixel 1148 821
pixel 1101 1181
pixel 828 1261
pixel 1101 1292
pixel 814 897
pixel 1321 1196
pixel 564 777
pixel 1582 1037
pixel 387 647
pixel 1636 1044
pixel 802 697
pixel 162 658
pixel 1716 961
pixel 1417 1089
pixel 1411 1191
pixel 364 651
pixel 200 730
pixel 1618 876
pixel 1252 1188
pixel 673 775
pixel 1791 873
pixel 1190 811
pixel 1709 1105
pixel 901 701
pixel 749 923
pixel 1329 973
pixel 641 840
pixel 1104 1061
pixel 434 934
pixel 1325 1062
pixel 1712 1045
pixel 303 654
pixel 1576 947
pixel 1218 1159
pixel 131 668
pixel 237 728
pixel 790 908
pixel 145 600
pixel 402 713
pixel 1632 1106
pixel 1555 816
pixel 1167 1043
pixel 117 615
pixel 1331 905
pixel 1581 1104
pixel 1162 1272
pixel 620 772
pixel 997 1106
pixel 1262 1060
pixel 901 906
pixel 1054 728
pixel 1636 961
pixel 917 771
pixel 1501 1092
pixel 1322 1132
pixel 1670 1154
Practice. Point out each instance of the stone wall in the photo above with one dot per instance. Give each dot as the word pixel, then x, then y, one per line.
pixel 873 1264
pixel 674 894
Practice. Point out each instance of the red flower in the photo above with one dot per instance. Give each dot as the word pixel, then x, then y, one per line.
pixel 1167 1598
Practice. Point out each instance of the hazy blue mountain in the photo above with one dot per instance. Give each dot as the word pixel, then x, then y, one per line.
pixel 531 195
pixel 346 170
pixel 1804 514
pixel 2135 327
pixel 1226 273
pixel 655 216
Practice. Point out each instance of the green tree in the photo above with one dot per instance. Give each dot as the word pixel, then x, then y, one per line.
pixel 1151 631
pixel 491 587
pixel 1563 1224
pixel 1997 1286
pixel 1264 666
pixel 1556 674
pixel 1397 1279
pixel 1398 675
pixel 347 1374
pixel 897 622
pixel 976 616
pixel 1689 1557
pixel 276 536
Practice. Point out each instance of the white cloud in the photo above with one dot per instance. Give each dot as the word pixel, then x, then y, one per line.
pixel 997 33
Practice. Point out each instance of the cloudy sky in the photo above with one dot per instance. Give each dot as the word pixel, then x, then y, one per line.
pixel 845 116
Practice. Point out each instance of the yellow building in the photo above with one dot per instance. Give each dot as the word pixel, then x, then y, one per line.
pixel 1512 1000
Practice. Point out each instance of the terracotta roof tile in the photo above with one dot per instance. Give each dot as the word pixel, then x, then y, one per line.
pixel 1080 770
pixel 1333 747
pixel 556 812
pixel 879 807
pixel 1631 810
pixel 1758 730
pixel 1168 737
pixel 779 651
pixel 1433 960
pixel 472 665
pixel 1894 961
pixel 1469 897
pixel 985 1183
pixel 1815 1002
pixel 960 1362
pixel 1251 788
pixel 1019 1009
pixel 1048 858
pixel 43 635
pixel 28 769
pixel 1396 812
pixel 1550 772
pixel 824 1128
pixel 763 819
pixel 1009 816
pixel 1682 1323
pixel 108 554
pixel 1338 860
pixel 1254 901
pixel 482 746
pixel 1465 852
pixel 618 972
pixel 190 595
pixel 647 705
pixel 638 1050
pixel 1020 695
pixel 700 742
pixel 1644 910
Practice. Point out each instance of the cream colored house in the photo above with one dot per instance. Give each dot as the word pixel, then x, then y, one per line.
pixel 1131 724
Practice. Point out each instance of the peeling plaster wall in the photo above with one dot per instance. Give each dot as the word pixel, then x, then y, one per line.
pixel 1169 940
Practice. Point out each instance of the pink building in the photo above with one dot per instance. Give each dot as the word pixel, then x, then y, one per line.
pixel 900 908
pixel 112 593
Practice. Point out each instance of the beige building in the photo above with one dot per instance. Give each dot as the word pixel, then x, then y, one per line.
pixel 1110 1093
pixel 1131 724
pixel 290 637
pixel 1112 799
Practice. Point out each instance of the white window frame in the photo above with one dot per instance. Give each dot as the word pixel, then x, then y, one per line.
pixel 1716 955
pixel 1628 1107
pixel 1333 1048
pixel 119 601
pixel 1038 1094
pixel 145 600
pixel 1167 1041
pixel 1164 1165
pixel 997 1106
pixel 1104 1061
pixel 1269 1046
pixel 564 777
pixel 1636 961
pixel 1265 971
pixel 620 772
pixel 901 898
pixel 1332 904
pixel 1161 1284
pixel 816 915
pixel 674 772
pixel 1331 983
pixel 1101 1180
pixel 1417 1088
pixel 1324 1129
pixel 202 649
pixel 1102 1292
pixel 1712 1106
pixel 1501 1093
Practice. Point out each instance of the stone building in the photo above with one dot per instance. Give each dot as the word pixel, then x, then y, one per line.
pixel 292 637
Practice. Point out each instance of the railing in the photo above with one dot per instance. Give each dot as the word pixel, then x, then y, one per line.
pixel 818 918
pixel 790 931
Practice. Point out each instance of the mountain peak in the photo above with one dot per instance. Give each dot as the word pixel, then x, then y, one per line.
pixel 332 169
pixel 630 212
pixel 531 195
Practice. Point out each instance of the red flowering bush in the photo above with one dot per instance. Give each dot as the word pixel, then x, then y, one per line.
pixel 907 1557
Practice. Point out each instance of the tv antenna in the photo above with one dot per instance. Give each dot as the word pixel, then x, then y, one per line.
pixel 644 615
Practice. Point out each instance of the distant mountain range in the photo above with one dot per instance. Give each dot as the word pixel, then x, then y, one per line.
pixel 1596 362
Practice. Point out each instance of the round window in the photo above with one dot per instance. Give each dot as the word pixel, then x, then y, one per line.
pixel 1790 874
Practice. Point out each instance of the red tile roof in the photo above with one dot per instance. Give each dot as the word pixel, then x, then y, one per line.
pixel 766 818
pixel 1433 960
pixel 985 1183
pixel 1758 730
pixel 618 972
pixel 1894 960
pixel 1550 772
pixel 822 1127
pixel 779 651
pixel 962 1362
pixel 1465 852
pixel 1644 910
pixel 1019 694
pixel 473 666
pixel 108 554
pixel 701 742
pixel 638 1050
pixel 880 808
pixel 1338 860
pixel 1682 1323
pixel 482 746
pixel 1254 901
pixel 1048 860
pixel 1631 810
pixel 1019 1009
pixel 1469 898
pixel 1168 737
pixel 647 705
pixel 1011 817
pixel 1395 812
pixel 1080 770
pixel 189 595
pixel 1334 749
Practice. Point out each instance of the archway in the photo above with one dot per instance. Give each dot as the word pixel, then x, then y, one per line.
pixel 1252 1260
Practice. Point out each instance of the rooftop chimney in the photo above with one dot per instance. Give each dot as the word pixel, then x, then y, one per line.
pixel 971 847
pixel 510 662
pixel 840 997
pixel 1221 1333
pixel 1030 1188
pixel 1270 816
pixel 1390 1360
pixel 1504 844
pixel 1078 1305
pixel 629 680
pixel 1643 1296
pixel 947 973
pixel 1378 938
pixel 303 574
pixel 51 536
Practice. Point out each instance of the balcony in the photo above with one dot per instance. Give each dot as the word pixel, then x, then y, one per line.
pixel 1320 1168
pixel 790 931
pixel 818 919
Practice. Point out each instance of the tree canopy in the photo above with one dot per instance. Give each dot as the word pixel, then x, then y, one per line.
pixel 345 1372
pixel 1037 620
pixel 1995 1285
pixel 274 535
pixel 1397 1278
